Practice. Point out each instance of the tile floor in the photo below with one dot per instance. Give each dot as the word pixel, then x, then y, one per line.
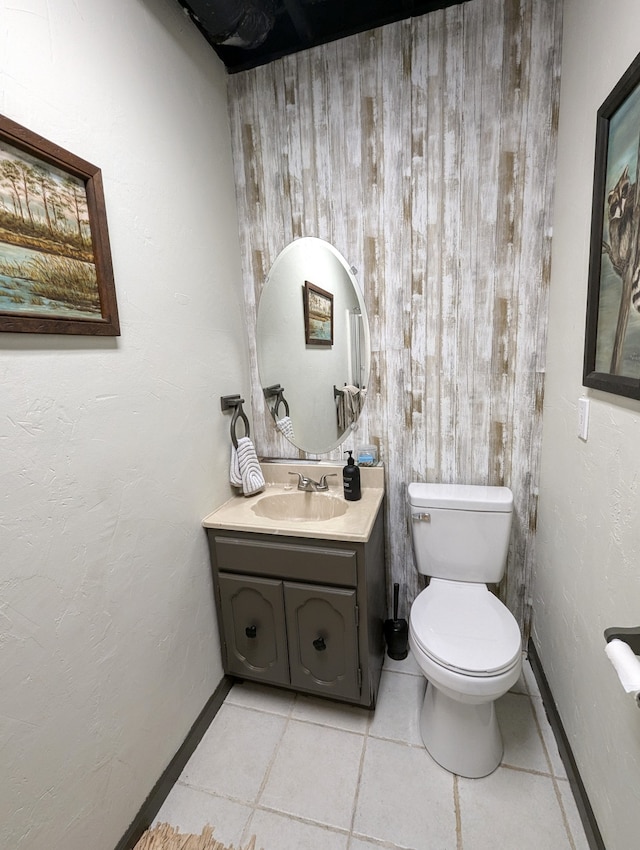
pixel 307 774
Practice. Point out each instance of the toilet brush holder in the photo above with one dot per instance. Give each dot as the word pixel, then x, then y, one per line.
pixel 396 632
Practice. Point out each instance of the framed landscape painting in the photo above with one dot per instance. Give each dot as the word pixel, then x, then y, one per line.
pixel 318 315
pixel 56 274
pixel 612 337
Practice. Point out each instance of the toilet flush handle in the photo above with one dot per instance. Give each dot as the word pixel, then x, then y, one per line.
pixel 421 517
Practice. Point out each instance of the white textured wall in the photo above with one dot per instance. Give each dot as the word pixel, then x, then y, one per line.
pixel 588 574
pixel 112 450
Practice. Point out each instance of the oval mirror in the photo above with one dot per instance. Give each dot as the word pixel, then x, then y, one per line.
pixel 313 345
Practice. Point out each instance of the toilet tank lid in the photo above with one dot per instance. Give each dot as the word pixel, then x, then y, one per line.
pixel 461 497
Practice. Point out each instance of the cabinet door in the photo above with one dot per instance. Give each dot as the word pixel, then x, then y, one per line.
pixel 254 628
pixel 323 639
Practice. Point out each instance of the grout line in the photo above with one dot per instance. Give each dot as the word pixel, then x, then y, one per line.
pixel 338 830
pixel 458 811
pixel 360 769
pixel 565 819
pixel 530 770
pixel 379 842
pixel 270 712
pixel 416 675
pixel 254 805
pixel 274 756
pixel 247 830
pixel 328 724
pixel 217 795
pixel 397 741
pixel 554 779
pixel 536 723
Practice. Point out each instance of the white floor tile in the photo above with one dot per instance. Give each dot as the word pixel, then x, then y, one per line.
pixel 235 752
pixel 557 765
pixel 315 774
pixel 522 743
pixel 338 715
pixel 530 679
pixel 520 686
pixel 511 809
pixel 397 713
pixel 189 811
pixel 407 665
pixel 573 816
pixel 278 832
pixel 261 697
pixel 405 798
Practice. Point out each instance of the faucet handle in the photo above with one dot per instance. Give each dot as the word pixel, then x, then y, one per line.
pixel 323 480
pixel 301 478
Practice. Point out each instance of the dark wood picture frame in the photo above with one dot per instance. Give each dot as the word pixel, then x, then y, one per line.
pixel 612 335
pixel 55 259
pixel 318 315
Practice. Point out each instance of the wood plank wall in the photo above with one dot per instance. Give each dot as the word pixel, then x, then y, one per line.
pixel 425 152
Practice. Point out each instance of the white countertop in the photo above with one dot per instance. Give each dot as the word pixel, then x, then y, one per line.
pixel 355 524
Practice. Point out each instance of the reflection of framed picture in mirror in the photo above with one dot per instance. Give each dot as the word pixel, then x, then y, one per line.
pixel 56 274
pixel 318 315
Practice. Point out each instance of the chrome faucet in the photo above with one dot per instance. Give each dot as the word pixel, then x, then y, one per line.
pixel 311 486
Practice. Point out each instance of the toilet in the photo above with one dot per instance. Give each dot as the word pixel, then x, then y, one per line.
pixel 465 641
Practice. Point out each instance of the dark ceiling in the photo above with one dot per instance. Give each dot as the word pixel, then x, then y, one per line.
pixel 247 33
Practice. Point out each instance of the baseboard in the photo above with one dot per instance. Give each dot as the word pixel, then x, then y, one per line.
pixel 163 786
pixel 589 822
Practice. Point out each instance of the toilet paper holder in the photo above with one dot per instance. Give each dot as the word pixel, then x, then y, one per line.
pixel 630 636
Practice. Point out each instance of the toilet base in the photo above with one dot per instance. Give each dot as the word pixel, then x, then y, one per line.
pixel 463 738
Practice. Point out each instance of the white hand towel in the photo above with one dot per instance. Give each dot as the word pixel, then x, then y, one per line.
pixel 285 426
pixel 349 405
pixel 250 472
pixel 234 469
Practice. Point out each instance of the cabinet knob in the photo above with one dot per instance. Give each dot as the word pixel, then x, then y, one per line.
pixel 319 644
pixel 250 631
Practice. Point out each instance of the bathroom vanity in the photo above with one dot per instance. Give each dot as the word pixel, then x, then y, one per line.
pixel 299 583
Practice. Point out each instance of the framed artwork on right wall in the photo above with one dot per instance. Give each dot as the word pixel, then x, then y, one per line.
pixel 612 337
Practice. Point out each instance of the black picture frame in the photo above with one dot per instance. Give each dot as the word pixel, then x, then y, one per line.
pixel 56 274
pixel 612 333
pixel 318 315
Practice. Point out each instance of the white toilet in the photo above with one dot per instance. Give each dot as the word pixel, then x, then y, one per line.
pixel 466 642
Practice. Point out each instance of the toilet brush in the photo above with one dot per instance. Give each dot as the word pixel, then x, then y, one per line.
pixel 396 632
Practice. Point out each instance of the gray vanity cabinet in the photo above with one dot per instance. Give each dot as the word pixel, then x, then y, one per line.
pixel 302 613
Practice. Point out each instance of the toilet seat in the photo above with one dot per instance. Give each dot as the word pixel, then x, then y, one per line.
pixel 465 628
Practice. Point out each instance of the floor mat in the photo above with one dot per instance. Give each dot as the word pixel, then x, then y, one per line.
pixel 165 837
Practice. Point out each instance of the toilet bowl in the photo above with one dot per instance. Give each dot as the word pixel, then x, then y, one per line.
pixel 465 641
pixel 468 646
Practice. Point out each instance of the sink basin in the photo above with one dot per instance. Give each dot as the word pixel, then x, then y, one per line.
pixel 300 507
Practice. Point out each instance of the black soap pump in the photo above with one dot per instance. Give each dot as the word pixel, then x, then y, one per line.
pixel 351 480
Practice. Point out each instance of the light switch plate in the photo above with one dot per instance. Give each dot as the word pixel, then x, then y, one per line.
pixel 583 418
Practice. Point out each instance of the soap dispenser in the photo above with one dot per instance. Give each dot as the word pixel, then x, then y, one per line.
pixel 351 480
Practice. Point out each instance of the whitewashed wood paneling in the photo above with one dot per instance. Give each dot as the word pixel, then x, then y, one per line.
pixel 424 151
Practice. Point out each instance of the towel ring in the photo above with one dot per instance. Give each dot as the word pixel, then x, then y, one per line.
pixel 276 392
pixel 239 413
pixel 234 401
pixel 280 399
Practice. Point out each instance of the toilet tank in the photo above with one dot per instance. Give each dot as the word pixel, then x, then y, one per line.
pixel 460 531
